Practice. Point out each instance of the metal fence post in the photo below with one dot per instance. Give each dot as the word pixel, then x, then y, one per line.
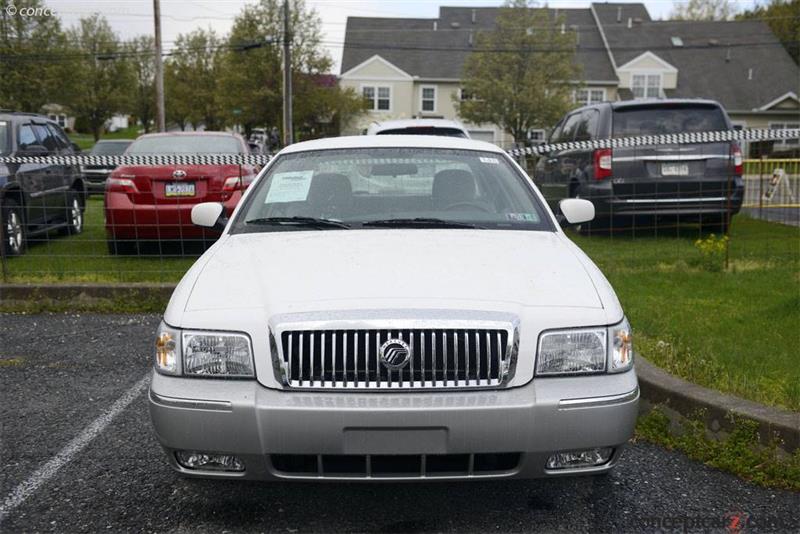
pixel 761 188
pixel 3 238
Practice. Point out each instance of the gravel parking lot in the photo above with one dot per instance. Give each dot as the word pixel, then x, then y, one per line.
pixel 78 455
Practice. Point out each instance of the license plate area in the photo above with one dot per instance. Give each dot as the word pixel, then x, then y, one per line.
pixel 179 189
pixel 674 169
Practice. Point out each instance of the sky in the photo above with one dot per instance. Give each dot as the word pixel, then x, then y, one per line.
pixel 130 18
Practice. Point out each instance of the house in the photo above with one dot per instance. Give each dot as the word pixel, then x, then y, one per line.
pixel 411 67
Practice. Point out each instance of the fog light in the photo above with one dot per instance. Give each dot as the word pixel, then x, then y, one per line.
pixel 578 459
pixel 208 461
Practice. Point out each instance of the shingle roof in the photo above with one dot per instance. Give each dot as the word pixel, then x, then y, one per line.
pixel 415 47
pixel 715 59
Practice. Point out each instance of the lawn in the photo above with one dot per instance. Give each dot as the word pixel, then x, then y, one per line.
pixel 86 141
pixel 735 330
pixel 84 258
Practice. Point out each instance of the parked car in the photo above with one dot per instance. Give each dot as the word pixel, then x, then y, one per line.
pixel 37 197
pixel 700 182
pixel 95 175
pixel 154 203
pixel 393 307
pixel 443 127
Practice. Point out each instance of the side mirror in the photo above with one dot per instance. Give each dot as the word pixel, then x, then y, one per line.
pixel 209 215
pixel 576 210
pixel 33 150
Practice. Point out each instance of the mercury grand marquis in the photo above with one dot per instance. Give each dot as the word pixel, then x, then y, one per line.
pixel 393 308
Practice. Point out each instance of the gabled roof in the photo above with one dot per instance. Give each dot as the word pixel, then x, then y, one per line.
pixel 715 60
pixel 414 46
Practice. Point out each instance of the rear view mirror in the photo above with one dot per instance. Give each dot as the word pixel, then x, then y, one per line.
pixel 576 210
pixel 209 215
pixel 393 169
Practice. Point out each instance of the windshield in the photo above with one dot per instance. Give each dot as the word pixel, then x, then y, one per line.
pixel 667 120
pixel 4 137
pixel 424 130
pixel 394 187
pixel 110 148
pixel 186 144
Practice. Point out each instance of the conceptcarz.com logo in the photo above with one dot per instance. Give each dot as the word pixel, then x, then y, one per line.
pixel 732 523
pixel 29 11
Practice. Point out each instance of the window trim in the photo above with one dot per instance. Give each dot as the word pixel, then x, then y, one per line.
pixel 589 100
pixel 784 125
pixel 647 74
pixel 422 98
pixel 374 108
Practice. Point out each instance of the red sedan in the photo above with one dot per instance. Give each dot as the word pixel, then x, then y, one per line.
pixel 154 203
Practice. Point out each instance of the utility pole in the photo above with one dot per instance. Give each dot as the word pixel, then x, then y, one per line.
pixel 160 120
pixel 288 136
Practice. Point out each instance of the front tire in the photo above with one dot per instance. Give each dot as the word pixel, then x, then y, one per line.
pixel 14 239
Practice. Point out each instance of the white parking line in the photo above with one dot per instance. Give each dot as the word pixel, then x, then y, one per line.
pixel 48 470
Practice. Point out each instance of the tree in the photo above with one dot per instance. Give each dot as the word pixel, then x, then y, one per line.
pixel 193 92
pixel 141 58
pixel 783 18
pixel 252 70
pixel 102 74
pixel 704 10
pixel 34 43
pixel 520 74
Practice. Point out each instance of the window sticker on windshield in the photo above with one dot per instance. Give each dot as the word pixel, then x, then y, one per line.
pixel 489 160
pixel 521 217
pixel 289 187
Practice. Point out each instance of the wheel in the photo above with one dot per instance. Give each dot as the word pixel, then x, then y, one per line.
pixel 13 228
pixel 74 216
pixel 119 247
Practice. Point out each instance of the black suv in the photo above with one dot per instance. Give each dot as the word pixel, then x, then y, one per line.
pixel 647 184
pixel 37 197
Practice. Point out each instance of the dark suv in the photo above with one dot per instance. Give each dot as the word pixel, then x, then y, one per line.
pixel 647 184
pixel 37 197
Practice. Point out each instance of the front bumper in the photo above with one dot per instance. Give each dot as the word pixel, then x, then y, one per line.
pixel 250 421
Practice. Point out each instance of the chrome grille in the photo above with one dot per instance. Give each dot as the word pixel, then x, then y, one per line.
pixel 439 358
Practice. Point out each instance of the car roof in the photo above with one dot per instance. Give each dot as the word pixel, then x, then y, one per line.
pixel 7 115
pixel 666 101
pixel 186 134
pixel 392 141
pixel 417 123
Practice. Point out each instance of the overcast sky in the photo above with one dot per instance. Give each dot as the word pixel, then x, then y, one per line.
pixel 135 17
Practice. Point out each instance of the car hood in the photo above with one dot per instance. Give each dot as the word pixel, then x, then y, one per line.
pixel 286 272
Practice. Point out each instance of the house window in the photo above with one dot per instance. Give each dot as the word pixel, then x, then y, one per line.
pixel 785 143
pixel 536 137
pixel 585 97
pixel 428 99
pixel 466 95
pixel 378 98
pixel 61 120
pixel 646 85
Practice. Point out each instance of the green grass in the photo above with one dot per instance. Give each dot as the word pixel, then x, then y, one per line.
pixel 84 258
pixel 735 330
pixel 86 141
pixel 739 452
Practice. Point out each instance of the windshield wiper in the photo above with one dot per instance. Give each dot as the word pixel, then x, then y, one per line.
pixel 311 222
pixel 421 222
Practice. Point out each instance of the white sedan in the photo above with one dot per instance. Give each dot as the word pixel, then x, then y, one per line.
pixel 393 307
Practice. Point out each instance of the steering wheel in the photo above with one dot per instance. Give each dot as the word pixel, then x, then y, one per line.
pixel 480 207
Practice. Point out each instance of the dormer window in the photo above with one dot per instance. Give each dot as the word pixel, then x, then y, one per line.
pixel 646 85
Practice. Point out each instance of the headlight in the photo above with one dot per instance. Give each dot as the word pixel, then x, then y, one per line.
pixel 167 350
pixel 205 354
pixel 572 352
pixel 217 354
pixel 621 347
pixel 585 350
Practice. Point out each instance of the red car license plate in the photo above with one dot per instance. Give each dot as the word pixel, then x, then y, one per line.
pixel 179 189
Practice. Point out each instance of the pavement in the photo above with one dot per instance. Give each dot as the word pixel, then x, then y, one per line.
pixel 78 455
